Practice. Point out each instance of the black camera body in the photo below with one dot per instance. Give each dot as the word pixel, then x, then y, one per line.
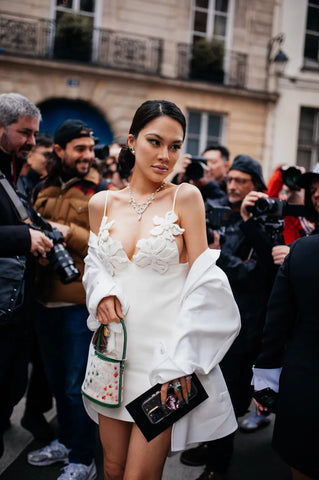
pixel 195 170
pixel 216 219
pixel 277 208
pixel 270 212
pixel 101 151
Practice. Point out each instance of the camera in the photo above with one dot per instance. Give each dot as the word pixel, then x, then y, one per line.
pixel 195 170
pixel 59 258
pixel 216 219
pixel 290 177
pixel 101 151
pixel 277 208
pixel 271 212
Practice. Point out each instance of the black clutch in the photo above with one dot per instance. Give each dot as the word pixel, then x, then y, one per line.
pixel 153 418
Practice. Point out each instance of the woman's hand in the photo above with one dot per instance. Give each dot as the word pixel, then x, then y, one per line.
pixel 182 388
pixel 109 310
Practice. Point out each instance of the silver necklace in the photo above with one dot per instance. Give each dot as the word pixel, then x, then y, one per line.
pixel 140 207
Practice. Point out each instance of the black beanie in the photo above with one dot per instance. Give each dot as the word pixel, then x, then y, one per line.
pixel 246 164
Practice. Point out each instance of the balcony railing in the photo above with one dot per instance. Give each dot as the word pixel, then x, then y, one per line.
pixel 233 73
pixel 34 37
pixel 28 36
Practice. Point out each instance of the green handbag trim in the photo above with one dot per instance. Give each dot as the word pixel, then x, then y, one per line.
pixel 112 360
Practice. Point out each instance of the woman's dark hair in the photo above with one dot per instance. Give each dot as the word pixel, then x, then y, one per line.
pixel 147 112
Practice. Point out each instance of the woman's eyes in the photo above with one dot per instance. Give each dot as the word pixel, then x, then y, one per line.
pixel 153 141
pixel 157 143
pixel 176 147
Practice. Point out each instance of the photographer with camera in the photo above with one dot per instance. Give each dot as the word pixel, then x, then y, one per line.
pixel 62 199
pixel 207 172
pixel 19 125
pixel 246 259
pixel 283 184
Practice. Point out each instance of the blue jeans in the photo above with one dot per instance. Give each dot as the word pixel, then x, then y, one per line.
pixel 64 341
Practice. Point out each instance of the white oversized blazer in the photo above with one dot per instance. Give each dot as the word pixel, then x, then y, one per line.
pixel 209 317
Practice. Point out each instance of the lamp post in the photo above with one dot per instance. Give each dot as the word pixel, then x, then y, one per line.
pixel 276 61
pixel 275 55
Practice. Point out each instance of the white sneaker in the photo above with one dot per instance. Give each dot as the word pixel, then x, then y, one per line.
pixel 254 422
pixel 78 471
pixel 53 453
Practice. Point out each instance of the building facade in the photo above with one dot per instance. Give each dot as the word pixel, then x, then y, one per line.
pixel 292 134
pixel 99 60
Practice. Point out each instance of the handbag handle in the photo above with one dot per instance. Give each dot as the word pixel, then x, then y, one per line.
pixel 125 337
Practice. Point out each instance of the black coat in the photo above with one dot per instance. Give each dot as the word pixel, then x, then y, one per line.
pixel 246 259
pixel 291 340
pixel 14 238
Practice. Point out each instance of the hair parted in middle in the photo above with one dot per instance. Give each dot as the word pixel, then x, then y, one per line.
pixel 148 111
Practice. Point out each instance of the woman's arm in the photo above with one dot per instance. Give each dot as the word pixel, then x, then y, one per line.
pixel 191 210
pixel 96 209
pixel 101 291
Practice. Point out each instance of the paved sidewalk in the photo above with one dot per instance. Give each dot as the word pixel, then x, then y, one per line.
pixel 253 458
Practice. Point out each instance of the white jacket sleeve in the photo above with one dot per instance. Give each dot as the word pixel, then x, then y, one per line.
pixel 98 283
pixel 207 325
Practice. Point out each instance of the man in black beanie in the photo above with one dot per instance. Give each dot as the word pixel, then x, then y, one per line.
pixel 246 259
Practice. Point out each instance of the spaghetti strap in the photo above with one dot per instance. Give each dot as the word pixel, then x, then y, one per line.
pixel 105 203
pixel 179 186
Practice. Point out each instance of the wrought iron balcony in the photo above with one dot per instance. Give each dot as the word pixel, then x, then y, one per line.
pixel 233 73
pixel 34 37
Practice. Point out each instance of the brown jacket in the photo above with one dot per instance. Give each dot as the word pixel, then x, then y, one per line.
pixel 68 206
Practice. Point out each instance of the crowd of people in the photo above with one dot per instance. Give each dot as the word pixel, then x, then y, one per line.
pixel 202 260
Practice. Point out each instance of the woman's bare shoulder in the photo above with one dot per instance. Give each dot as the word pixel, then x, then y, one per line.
pixel 187 194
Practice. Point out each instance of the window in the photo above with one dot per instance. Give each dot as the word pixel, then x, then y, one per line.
pixel 311 52
pixel 203 128
pixel 210 19
pixel 75 21
pixel 308 141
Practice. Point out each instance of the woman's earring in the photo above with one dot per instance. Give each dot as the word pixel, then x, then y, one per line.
pixel 132 150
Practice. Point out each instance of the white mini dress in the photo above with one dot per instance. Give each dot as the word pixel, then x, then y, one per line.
pixel 153 283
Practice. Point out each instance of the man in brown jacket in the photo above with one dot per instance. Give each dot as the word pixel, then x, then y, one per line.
pixel 64 338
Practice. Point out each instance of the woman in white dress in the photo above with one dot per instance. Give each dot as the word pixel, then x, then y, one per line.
pixel 148 263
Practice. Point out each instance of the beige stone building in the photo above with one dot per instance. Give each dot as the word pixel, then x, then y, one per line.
pixel 292 134
pixel 101 59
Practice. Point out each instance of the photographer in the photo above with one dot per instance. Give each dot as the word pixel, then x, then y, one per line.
pixel 246 259
pixel 207 172
pixel 283 184
pixel 62 198
pixel 19 125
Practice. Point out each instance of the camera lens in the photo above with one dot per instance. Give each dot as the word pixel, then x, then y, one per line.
pixel 265 206
pixel 63 264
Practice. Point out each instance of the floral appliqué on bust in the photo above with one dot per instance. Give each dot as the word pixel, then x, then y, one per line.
pixel 160 250
pixel 110 251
